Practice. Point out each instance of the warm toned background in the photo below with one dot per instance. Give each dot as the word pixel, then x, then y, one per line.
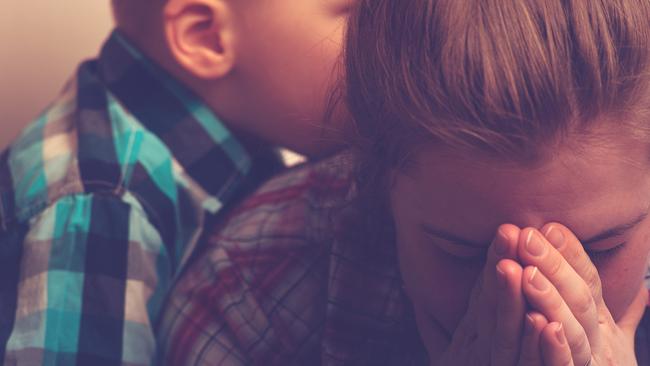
pixel 41 43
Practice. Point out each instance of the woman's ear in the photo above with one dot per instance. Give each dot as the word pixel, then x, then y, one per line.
pixel 200 36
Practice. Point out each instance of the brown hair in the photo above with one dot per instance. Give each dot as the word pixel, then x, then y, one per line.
pixel 502 78
pixel 497 76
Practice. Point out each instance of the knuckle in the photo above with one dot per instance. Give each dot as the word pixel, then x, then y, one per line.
pixel 607 358
pixel 580 345
pixel 585 268
pixel 575 255
pixel 593 280
pixel 605 318
pixel 596 291
pixel 555 266
pixel 584 303
pixel 554 303
pixel 590 271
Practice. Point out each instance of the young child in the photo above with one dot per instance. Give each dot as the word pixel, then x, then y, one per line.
pixel 527 119
pixel 103 198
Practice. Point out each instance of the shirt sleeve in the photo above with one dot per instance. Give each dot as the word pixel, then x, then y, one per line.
pixel 195 329
pixel 255 295
pixel 92 277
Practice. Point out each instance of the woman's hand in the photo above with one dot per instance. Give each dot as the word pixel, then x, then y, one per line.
pixel 481 337
pixel 561 282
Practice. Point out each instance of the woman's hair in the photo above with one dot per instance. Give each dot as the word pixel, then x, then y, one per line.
pixel 501 77
pixel 507 79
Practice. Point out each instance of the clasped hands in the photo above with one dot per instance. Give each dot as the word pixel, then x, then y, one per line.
pixel 538 302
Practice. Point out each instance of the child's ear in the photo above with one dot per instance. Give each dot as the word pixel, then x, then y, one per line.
pixel 200 35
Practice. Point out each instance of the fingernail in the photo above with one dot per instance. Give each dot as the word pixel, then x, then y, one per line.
pixel 501 244
pixel 530 324
pixel 555 237
pixel 538 282
pixel 501 278
pixel 559 333
pixel 534 244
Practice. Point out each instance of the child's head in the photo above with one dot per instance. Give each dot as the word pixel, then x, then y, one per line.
pixel 266 67
pixel 483 112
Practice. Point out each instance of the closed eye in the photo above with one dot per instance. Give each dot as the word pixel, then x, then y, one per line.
pixel 601 255
pixel 457 250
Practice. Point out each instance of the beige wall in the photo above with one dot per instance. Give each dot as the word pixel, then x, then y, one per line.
pixel 41 43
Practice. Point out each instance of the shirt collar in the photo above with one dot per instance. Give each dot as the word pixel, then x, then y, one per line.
pixel 196 137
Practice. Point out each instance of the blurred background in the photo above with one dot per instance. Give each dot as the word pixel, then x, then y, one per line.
pixel 41 43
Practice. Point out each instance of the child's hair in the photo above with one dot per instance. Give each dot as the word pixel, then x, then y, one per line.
pixel 132 13
pixel 499 77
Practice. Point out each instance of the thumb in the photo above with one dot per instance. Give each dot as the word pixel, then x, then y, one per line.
pixel 630 320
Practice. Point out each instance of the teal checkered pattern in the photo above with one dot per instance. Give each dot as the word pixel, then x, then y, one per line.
pixel 102 200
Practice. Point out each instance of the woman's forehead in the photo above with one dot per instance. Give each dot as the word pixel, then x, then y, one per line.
pixel 598 188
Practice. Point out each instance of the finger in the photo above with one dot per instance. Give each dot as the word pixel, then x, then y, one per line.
pixel 535 250
pixel 544 297
pixel 555 348
pixel 572 250
pixel 531 354
pixel 504 246
pixel 483 299
pixel 630 320
pixel 511 308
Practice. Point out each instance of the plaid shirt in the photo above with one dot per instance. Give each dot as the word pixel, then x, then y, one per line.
pixel 102 199
pixel 277 286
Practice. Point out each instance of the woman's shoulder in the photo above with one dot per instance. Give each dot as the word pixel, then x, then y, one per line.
pixel 260 281
pixel 331 176
pixel 298 204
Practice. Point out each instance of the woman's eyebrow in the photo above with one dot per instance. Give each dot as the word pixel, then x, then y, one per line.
pixel 605 234
pixel 615 231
